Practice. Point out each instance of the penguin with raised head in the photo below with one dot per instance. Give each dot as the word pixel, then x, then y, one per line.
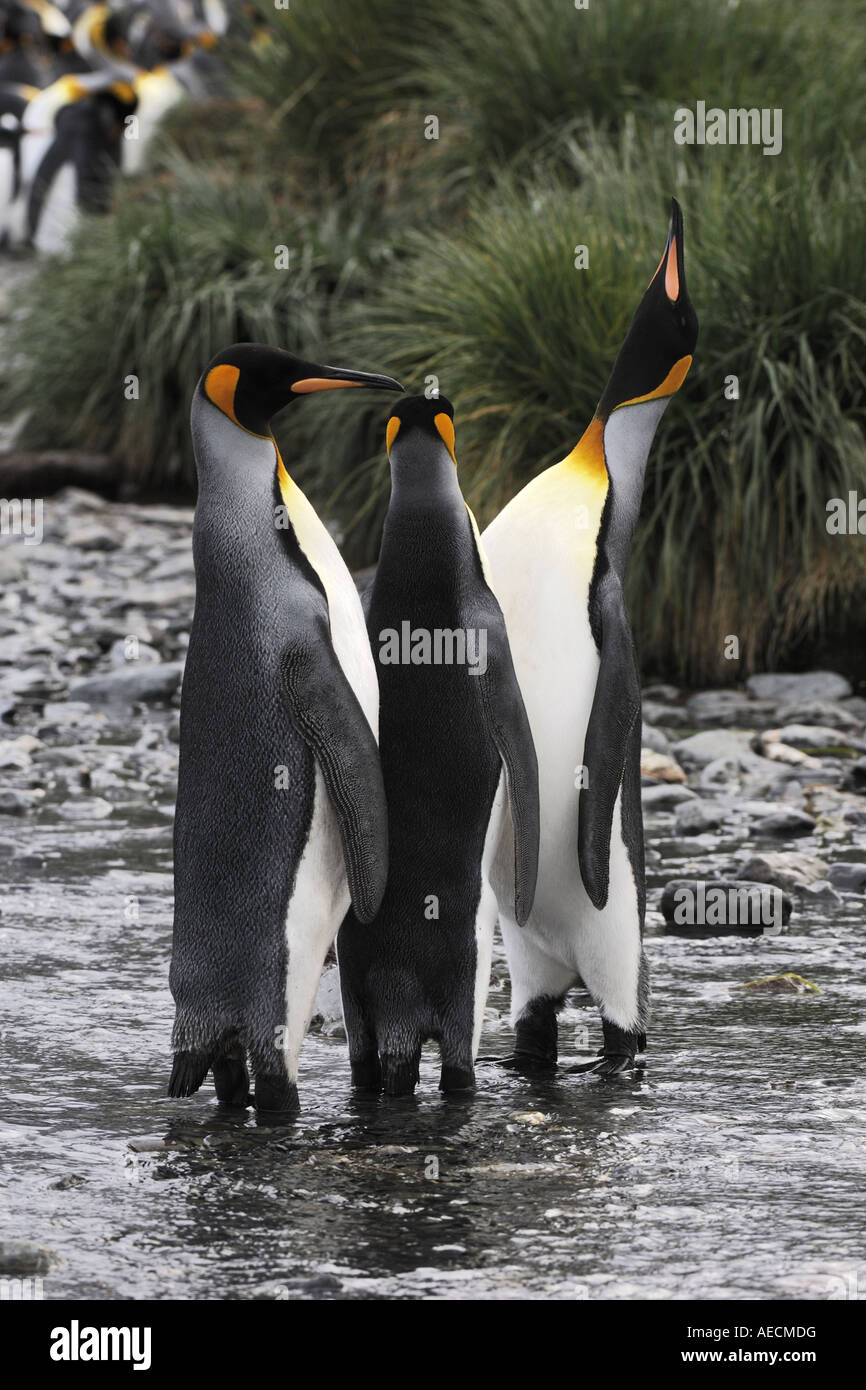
pixel 557 555
pixel 455 745
pixel 281 817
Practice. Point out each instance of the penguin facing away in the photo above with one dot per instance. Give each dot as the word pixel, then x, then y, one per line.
pixel 281 817
pixel 454 744
pixel 557 555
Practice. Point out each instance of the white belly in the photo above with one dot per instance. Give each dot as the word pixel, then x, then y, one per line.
pixel 541 553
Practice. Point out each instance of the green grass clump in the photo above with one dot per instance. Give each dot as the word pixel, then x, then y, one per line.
pixel 733 535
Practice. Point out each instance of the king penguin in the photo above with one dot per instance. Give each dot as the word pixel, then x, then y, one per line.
pixel 557 555
pixel 453 737
pixel 281 816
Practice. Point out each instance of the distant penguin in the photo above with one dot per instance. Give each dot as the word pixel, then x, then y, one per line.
pixel 281 817
pixel 453 736
pixel 70 151
pixel 557 555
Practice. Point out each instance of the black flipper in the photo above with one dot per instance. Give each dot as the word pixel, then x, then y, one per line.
pixel 615 709
pixel 325 711
pixel 510 731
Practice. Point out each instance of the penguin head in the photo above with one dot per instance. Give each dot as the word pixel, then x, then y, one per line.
pixel 250 383
pixel 657 352
pixel 416 423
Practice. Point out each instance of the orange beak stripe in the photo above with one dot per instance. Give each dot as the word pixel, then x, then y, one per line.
pixel 672 275
pixel 320 383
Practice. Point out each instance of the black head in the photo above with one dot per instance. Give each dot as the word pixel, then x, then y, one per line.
pixel 658 348
pixel 432 415
pixel 250 383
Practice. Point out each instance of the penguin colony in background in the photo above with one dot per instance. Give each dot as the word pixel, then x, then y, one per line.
pixel 82 89
pixel 464 748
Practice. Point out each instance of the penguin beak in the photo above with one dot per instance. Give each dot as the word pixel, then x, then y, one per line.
pixel 330 378
pixel 672 265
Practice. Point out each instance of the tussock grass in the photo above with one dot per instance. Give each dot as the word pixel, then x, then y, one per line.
pixel 454 258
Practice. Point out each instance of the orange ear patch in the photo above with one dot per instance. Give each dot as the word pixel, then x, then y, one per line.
pixel 220 386
pixel 672 275
pixel 445 426
pixel 320 383
pixel 392 431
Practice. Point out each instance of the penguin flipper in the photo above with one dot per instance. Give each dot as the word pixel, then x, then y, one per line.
pixel 509 728
pixel 326 712
pixel 615 708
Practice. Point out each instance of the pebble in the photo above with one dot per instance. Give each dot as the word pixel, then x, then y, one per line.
pixel 780 984
pixel 24 1257
pixel 664 796
pixel 654 739
pixel 786 825
pixel 812 685
pixel 128 687
pixel 709 746
pixel 660 767
pixel 690 907
pixel 848 878
pixel 788 869
pixel 697 817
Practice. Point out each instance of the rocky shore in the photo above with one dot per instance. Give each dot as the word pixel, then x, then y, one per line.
pixel 761 784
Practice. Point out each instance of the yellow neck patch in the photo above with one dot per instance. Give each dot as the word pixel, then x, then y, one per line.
pixel 669 387
pixel 587 456
pixel 445 426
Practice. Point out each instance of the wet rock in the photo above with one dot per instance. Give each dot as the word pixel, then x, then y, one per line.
pixel 17 752
pixel 86 808
pixel 856 775
pixel 848 878
pixel 788 869
pixel 780 984
pixel 667 716
pixel 147 1143
pixel 786 825
pixel 125 655
pixel 23 1257
pixel 70 1181
pixel 723 907
pixel 92 536
pixel 811 685
pixel 822 891
pixel 697 817
pixel 665 796
pixel 140 685
pixel 328 1008
pixel 660 767
pixel 723 708
pixel 816 736
pixel 659 691
pixel 856 705
pixel 828 713
pixel 654 739
pixel 18 803
pixel 710 745
pixel 855 815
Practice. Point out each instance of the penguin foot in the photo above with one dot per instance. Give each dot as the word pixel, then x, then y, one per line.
pixel 231 1082
pixel 527 1063
pixel 276 1095
pixel 618 1054
pixel 399 1075
pixel 453 1079
pixel 188 1072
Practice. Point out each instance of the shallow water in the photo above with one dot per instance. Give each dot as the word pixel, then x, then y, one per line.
pixel 732 1167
